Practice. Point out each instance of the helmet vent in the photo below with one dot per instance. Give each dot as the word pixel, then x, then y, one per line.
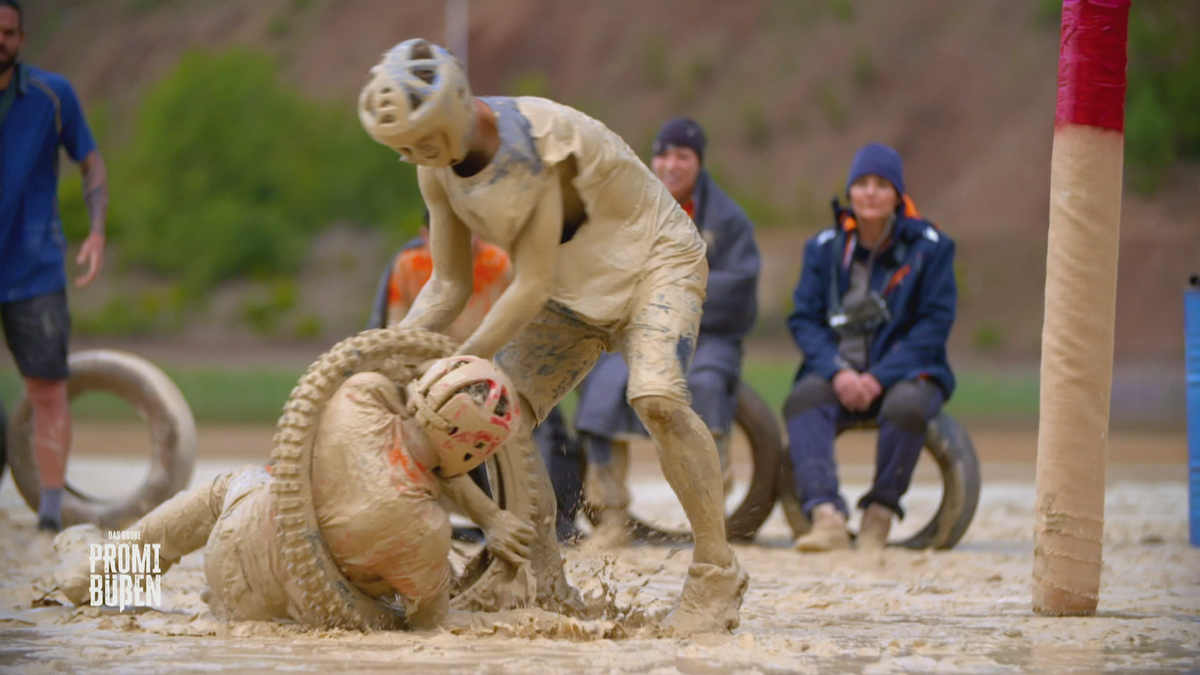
pixel 502 405
pixel 423 74
pixel 414 100
pixel 387 119
pixel 421 50
pixel 478 391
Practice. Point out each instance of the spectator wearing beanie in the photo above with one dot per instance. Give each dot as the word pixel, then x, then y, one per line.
pixel 873 310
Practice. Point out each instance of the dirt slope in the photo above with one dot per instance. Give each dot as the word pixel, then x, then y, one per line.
pixel 787 92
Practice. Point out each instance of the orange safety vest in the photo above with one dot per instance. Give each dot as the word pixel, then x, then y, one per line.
pixel 492 271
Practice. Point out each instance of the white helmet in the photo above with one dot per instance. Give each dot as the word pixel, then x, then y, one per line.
pixel 418 102
pixel 468 408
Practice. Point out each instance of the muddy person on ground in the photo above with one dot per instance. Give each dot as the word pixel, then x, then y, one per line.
pixel 605 259
pixel 376 500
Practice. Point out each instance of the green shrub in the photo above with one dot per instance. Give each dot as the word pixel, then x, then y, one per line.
pixel 988 337
pixel 151 311
pixel 655 65
pixel 532 83
pixel 831 104
pixel 308 327
pixel 843 10
pixel 865 70
pixel 264 315
pixel 1163 99
pixel 756 130
pixel 229 173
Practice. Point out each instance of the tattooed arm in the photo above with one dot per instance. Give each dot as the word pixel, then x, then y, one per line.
pixel 95 195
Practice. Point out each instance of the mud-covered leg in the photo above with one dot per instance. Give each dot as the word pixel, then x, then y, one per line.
pixel 554 593
pixel 179 526
pixel 546 360
pixel 658 345
pixel 716 583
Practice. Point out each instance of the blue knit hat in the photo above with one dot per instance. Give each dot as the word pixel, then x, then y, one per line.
pixel 680 132
pixel 880 160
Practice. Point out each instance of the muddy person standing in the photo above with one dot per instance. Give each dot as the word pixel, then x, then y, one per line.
pixel 603 419
pixel 39 113
pixel 604 258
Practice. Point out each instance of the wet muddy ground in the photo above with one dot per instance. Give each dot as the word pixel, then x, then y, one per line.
pixel 963 611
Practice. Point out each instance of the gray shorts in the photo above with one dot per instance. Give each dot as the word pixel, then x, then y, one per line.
pixel 38 331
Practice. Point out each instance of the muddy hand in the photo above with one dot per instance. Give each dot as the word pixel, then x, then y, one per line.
pixel 509 537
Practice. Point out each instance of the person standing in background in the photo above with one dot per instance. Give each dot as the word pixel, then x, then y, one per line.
pixel 39 113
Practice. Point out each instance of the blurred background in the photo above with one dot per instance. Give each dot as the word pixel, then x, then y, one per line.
pixel 251 216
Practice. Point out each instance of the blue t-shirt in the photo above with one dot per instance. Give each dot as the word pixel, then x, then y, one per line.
pixel 44 115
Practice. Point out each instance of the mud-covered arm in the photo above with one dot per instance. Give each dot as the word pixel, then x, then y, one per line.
pixel 534 254
pixel 466 494
pixel 449 289
pixel 507 536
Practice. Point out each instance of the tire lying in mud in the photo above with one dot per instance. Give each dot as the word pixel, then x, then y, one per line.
pixel 159 402
pixel 321 595
pixel 952 449
pixel 758 422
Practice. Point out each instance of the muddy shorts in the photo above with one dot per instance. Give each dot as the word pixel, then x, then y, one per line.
pixel 38 330
pixel 552 354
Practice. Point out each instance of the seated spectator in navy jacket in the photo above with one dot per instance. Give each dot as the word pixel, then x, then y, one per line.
pixel 730 310
pixel 873 310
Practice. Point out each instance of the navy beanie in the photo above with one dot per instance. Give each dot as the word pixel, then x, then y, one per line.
pixel 880 160
pixel 681 132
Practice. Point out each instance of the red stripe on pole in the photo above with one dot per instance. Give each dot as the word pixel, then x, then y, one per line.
pixel 1091 63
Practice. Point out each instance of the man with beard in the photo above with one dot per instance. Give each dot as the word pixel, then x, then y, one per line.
pixel 39 113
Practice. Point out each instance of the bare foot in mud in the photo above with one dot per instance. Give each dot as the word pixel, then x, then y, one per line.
pixel 709 602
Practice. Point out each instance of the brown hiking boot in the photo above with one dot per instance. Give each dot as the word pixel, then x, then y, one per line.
pixel 876 523
pixel 828 531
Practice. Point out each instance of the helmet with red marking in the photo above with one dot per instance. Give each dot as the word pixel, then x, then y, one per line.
pixel 468 408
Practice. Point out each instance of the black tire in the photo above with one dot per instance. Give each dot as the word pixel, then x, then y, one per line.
pixel 951 447
pixel 758 422
pixel 158 401
pixel 321 595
